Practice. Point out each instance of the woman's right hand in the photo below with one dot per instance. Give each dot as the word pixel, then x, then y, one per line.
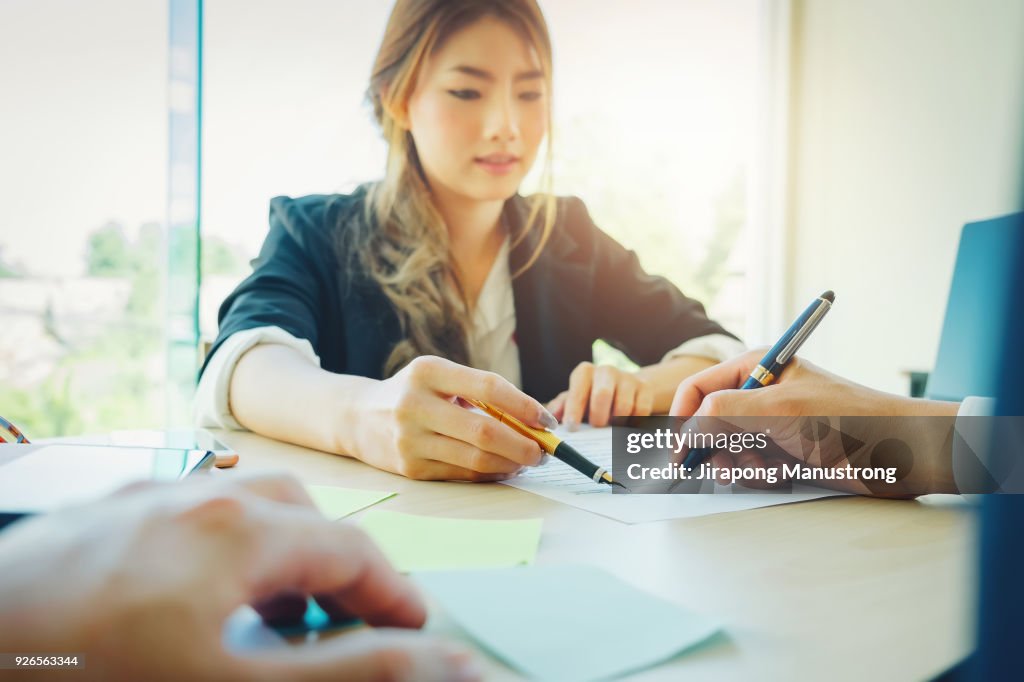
pixel 413 424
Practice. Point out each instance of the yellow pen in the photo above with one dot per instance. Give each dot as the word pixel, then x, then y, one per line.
pixel 551 444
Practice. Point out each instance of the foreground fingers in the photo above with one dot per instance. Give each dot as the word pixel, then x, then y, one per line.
pixel 301 552
pixel 369 656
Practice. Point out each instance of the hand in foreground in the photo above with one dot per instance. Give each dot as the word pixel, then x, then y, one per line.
pixel 142 582
pixel 414 424
pixel 600 392
pixel 817 418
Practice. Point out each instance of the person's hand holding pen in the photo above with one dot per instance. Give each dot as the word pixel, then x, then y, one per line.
pixel 413 424
pixel 803 390
pixel 806 393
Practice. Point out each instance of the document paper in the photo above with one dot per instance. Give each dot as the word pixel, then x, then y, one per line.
pixel 560 482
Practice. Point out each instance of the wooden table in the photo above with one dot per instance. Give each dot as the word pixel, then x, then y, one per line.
pixel 841 588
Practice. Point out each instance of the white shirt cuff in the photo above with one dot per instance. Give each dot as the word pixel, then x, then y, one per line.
pixel 973 406
pixel 212 404
pixel 717 347
pixel 971 448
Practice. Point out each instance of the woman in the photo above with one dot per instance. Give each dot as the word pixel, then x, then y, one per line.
pixel 369 315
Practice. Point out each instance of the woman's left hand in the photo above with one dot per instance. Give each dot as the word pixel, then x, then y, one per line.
pixel 599 392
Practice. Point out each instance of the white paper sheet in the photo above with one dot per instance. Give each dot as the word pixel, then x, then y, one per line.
pixel 560 482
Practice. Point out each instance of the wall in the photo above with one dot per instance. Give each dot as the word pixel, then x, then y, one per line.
pixel 906 122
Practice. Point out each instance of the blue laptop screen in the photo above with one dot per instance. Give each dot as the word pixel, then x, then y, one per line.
pixel 972 331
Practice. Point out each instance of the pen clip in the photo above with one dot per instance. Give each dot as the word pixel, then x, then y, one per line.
pixel 798 339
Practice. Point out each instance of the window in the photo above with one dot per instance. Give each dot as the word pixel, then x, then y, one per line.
pixel 655 107
pixel 83 244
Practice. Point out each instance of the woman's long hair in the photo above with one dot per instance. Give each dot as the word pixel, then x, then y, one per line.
pixel 402 240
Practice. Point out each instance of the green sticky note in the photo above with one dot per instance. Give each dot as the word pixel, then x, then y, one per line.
pixel 335 503
pixel 565 623
pixel 423 543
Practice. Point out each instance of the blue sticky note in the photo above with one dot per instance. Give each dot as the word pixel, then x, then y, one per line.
pixel 565 623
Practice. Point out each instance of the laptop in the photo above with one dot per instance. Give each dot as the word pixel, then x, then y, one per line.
pixel 974 322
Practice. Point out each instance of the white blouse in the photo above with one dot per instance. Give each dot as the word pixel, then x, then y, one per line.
pixel 492 347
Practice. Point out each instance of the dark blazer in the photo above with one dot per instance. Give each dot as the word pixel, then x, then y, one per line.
pixel 584 286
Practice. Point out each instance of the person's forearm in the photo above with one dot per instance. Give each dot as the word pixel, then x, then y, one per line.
pixel 917 439
pixel 664 378
pixel 937 441
pixel 930 441
pixel 277 392
pixel 919 407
